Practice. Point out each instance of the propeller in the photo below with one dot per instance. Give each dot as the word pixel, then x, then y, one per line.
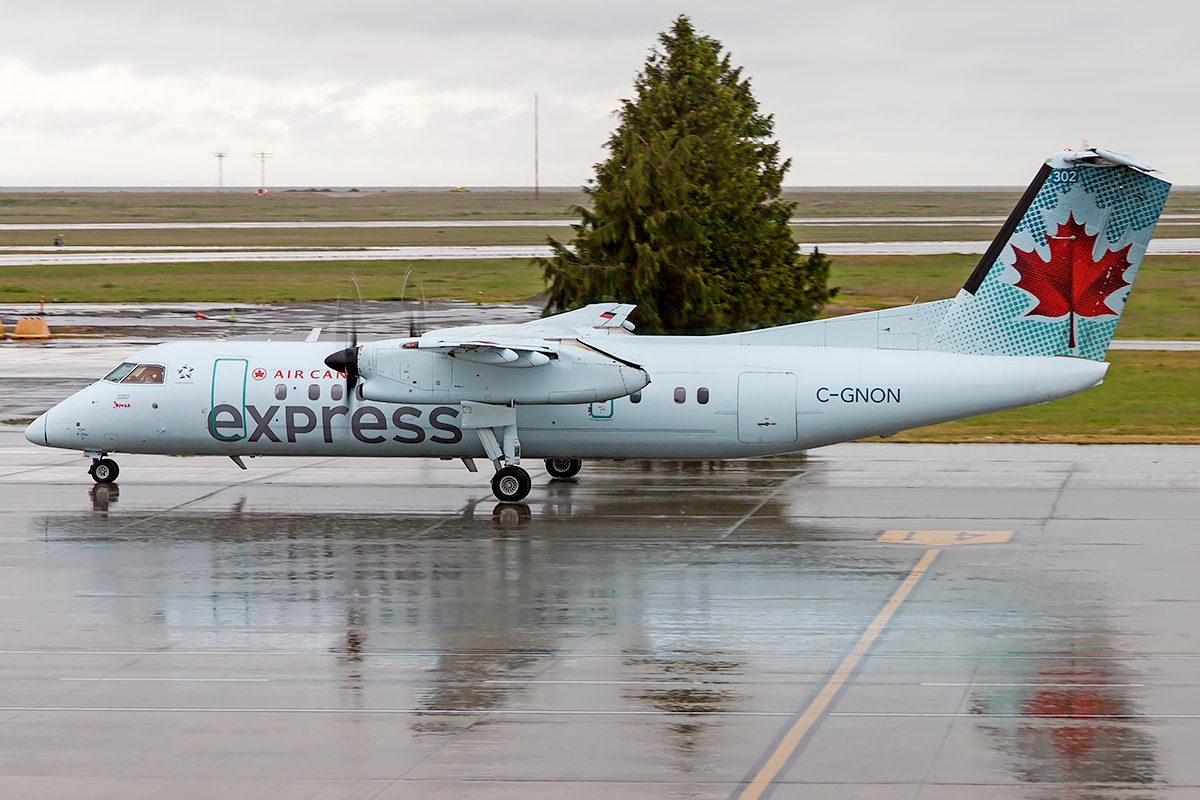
pixel 413 332
pixel 346 362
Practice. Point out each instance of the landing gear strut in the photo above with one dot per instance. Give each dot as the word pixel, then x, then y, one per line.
pixel 511 484
pixel 563 467
pixel 497 430
pixel 104 470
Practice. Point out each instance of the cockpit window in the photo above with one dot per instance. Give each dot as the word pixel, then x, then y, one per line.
pixel 120 372
pixel 145 373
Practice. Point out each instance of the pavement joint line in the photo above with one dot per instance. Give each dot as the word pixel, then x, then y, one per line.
pixel 43 466
pixel 759 506
pixel 1059 494
pixel 179 680
pixel 146 518
pixel 780 757
pixel 622 654
pixel 971 715
pixel 439 712
pixel 1047 685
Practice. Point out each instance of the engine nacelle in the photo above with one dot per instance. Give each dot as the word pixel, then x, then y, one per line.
pixel 397 371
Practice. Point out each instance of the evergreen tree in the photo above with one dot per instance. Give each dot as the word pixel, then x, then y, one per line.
pixel 687 220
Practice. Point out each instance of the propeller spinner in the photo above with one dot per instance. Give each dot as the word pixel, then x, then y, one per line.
pixel 346 362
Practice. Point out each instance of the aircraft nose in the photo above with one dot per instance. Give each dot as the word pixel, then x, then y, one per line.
pixel 36 432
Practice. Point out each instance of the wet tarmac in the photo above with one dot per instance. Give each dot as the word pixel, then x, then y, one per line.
pixel 384 629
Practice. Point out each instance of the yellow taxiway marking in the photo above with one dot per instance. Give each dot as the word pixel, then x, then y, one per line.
pixel 795 734
pixel 945 538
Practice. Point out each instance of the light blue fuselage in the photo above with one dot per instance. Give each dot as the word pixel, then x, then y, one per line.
pixel 761 400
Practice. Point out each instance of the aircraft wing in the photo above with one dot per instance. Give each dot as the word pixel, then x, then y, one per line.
pixel 532 335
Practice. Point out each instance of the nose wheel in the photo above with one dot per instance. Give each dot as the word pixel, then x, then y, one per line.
pixel 104 470
pixel 563 467
pixel 511 484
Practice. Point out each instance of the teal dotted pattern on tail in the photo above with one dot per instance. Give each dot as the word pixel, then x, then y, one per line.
pixel 1121 204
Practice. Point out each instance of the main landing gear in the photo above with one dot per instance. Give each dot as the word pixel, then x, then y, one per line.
pixel 104 470
pixel 496 427
pixel 511 484
pixel 563 467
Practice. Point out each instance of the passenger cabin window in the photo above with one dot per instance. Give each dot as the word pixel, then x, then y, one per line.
pixel 314 391
pixel 680 394
pixel 145 373
pixel 335 392
pixel 702 395
pixel 281 391
pixel 120 372
pixel 636 397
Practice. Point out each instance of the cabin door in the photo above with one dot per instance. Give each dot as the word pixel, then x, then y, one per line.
pixel 767 407
pixel 227 414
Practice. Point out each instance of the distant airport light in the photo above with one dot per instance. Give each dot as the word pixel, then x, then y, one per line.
pixel 220 156
pixel 262 157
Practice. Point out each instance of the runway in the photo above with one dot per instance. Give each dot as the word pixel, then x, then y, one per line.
pixel 47 257
pixel 384 629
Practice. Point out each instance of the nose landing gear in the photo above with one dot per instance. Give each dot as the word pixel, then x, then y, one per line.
pixel 104 470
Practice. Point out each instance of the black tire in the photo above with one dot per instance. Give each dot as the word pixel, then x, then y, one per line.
pixel 511 484
pixel 105 470
pixel 563 467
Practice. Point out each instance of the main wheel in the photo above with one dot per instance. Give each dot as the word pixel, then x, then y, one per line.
pixel 105 470
pixel 511 484
pixel 563 467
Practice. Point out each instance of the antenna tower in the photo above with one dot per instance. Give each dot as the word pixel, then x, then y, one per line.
pixel 220 156
pixel 262 172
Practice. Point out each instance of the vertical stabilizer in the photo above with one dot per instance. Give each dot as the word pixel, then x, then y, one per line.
pixel 1056 278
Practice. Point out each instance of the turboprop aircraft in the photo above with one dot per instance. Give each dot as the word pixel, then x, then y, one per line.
pixel 1032 324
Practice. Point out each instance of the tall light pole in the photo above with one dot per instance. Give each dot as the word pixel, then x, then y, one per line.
pixel 536 154
pixel 262 173
pixel 220 156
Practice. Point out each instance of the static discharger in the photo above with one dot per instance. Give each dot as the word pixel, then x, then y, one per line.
pixel 945 538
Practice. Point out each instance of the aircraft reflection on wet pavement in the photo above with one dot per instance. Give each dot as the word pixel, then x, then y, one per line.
pixel 467 618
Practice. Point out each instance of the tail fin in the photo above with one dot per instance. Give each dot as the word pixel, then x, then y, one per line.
pixel 1055 279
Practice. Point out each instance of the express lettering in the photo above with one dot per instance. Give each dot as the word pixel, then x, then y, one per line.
pixel 852 394
pixel 368 424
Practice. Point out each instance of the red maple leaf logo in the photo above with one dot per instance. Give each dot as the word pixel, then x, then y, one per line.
pixel 259 374
pixel 1071 283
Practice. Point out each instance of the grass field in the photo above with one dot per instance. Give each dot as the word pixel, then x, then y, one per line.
pixel 270 282
pixel 52 207
pixel 1146 397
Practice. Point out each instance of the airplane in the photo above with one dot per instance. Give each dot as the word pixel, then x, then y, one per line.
pixel 1032 324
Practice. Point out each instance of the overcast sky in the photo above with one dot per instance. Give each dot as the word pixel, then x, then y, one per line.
pixel 370 92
